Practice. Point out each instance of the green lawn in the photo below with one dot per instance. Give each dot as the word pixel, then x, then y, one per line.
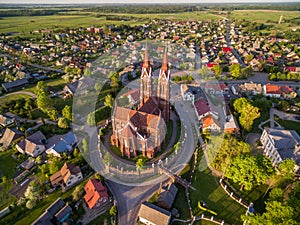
pixel 13 97
pixel 263 15
pixel 7 169
pixel 24 24
pixel 209 191
pixel 289 125
pixel 7 164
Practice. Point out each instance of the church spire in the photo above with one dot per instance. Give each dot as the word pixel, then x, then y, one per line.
pixel 165 66
pixel 146 63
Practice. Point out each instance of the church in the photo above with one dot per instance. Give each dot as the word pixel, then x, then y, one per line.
pixel 141 130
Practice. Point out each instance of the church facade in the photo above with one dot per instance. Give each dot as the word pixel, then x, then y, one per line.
pixel 141 130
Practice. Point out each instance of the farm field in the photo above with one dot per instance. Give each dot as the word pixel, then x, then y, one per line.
pixel 23 24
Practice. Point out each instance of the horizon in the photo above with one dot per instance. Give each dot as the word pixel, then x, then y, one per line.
pixel 133 2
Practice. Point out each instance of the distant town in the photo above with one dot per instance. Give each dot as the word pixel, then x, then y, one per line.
pixel 173 114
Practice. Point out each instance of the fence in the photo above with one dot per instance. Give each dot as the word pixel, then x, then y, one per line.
pixel 230 192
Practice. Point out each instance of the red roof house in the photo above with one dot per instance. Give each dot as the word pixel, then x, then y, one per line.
pixel 202 108
pixel 226 49
pixel 272 90
pixel 96 194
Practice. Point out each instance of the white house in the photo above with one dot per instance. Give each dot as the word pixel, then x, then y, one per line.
pixel 279 144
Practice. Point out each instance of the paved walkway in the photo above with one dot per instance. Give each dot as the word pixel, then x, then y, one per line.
pixel 18 93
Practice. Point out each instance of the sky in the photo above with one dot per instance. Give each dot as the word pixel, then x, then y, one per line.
pixel 134 1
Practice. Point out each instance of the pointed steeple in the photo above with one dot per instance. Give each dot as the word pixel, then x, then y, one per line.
pixel 165 66
pixel 146 63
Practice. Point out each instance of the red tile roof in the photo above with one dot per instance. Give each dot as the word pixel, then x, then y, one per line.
pixel 95 191
pixel 286 89
pixel 272 89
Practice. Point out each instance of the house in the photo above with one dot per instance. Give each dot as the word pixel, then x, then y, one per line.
pixel 96 194
pixel 250 88
pixel 126 72
pixel 167 196
pixel 216 89
pixel 83 85
pixel 279 144
pixel 231 125
pixel 203 109
pixel 10 135
pixel 33 145
pixel 288 92
pixel 210 124
pixel 6 120
pixel 152 214
pixel 272 90
pixel 9 86
pixel 133 97
pixel 67 176
pixel 57 213
pixel 191 92
pixel 66 144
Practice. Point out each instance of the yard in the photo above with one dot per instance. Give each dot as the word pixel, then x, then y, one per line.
pixel 7 168
pixel 209 191
pixel 102 219
pixel 289 125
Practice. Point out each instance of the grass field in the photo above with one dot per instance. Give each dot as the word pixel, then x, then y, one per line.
pixel 263 15
pixel 7 168
pixel 289 125
pixel 13 97
pixel 27 23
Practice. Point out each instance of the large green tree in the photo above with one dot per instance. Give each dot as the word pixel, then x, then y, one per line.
pixel 109 101
pixel 67 112
pixel 217 69
pixel 221 150
pixel 249 171
pixel 235 70
pixel 247 112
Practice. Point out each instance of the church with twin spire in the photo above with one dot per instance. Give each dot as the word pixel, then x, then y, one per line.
pixel 141 131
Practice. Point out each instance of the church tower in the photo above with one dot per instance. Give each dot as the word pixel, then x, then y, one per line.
pixel 146 79
pixel 163 87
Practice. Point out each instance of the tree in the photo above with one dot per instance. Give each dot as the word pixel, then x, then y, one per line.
pixel 67 112
pixel 113 211
pixel 221 150
pixel 204 71
pixel 77 193
pixel 98 86
pixel 109 101
pixel 43 102
pixel 248 112
pixel 140 163
pixel 30 204
pixel 283 105
pixel 247 72
pixel 217 69
pixel 235 70
pixel 276 194
pixel 63 123
pixel 249 57
pixel 54 165
pixel 40 88
pixel 286 169
pixel 276 214
pixel 91 119
pixel 32 191
pixel 248 171
pixel 53 114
